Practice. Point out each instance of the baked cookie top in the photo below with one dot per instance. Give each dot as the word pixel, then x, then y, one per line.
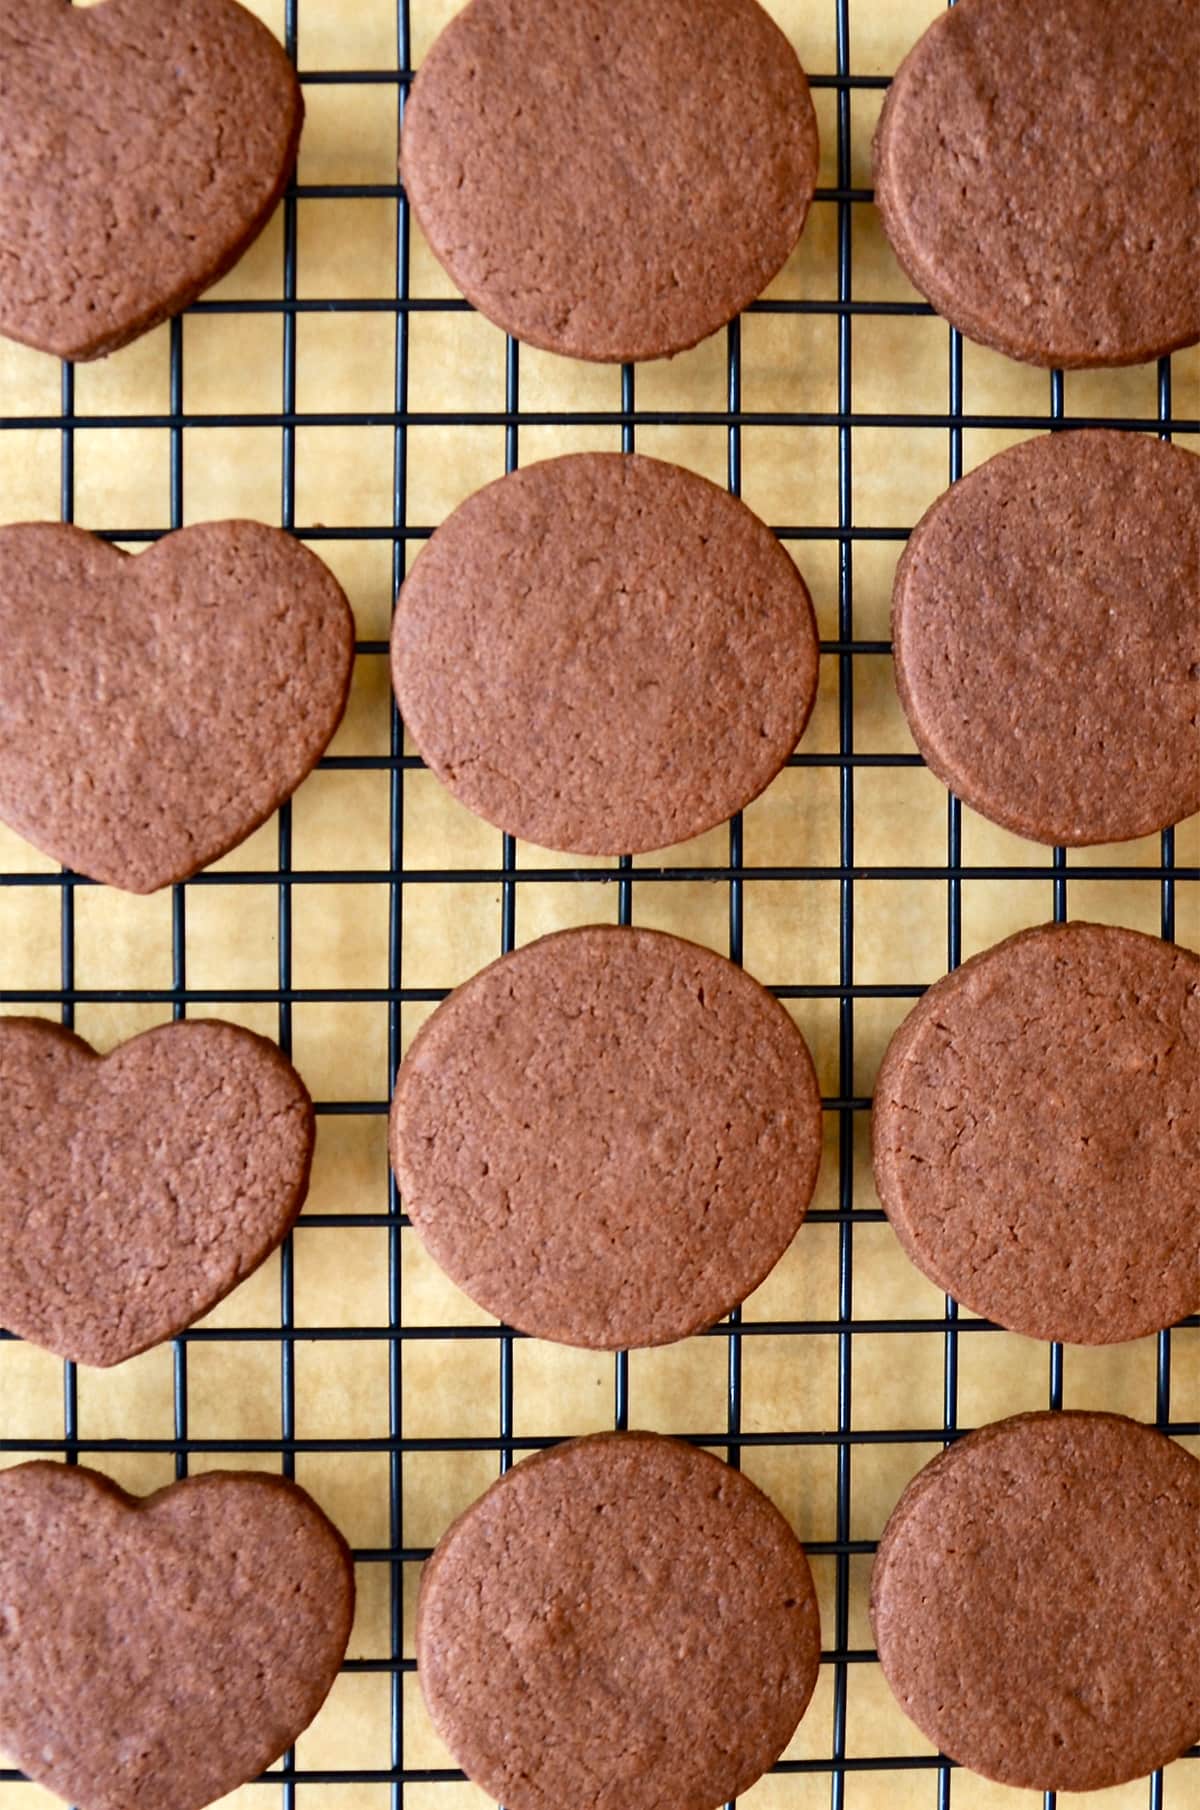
pixel 1037 1133
pixel 142 147
pixel 619 1620
pixel 138 1188
pixel 611 179
pixel 163 1650
pixel 608 1137
pixel 1034 1601
pixel 604 653
pixel 156 709
pixel 1046 626
pixel 1035 167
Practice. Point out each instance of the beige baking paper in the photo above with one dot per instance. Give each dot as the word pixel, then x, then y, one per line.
pixel 344 474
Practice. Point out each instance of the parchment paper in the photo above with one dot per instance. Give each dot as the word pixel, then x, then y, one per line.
pixel 344 474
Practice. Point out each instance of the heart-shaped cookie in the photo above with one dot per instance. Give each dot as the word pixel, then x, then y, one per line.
pixel 162 1651
pixel 154 710
pixel 138 1188
pixel 142 147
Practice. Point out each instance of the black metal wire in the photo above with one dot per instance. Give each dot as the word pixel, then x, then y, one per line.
pixel 395 957
pixel 287 517
pixel 67 903
pixel 846 1437
pixel 179 1376
pixel 508 896
pixel 845 1346
pixel 953 958
pixel 624 910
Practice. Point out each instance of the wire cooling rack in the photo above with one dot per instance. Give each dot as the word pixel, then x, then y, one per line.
pixel 878 1760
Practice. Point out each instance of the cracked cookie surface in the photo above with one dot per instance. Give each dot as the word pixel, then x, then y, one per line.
pixel 1034 1601
pixel 609 1137
pixel 156 709
pixel 138 1188
pixel 604 653
pixel 620 1623
pixel 161 1651
pixel 1035 168
pixel 611 179
pixel 1036 1133
pixel 142 147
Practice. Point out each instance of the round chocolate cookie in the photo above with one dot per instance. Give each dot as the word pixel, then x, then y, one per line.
pixel 1037 1133
pixel 619 1621
pixel 1034 1601
pixel 605 654
pixel 1035 167
pixel 1046 624
pixel 608 1137
pixel 611 179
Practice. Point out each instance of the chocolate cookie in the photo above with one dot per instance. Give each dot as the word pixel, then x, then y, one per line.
pixel 605 654
pixel 1035 167
pixel 622 1620
pixel 610 179
pixel 1037 1133
pixel 1046 622
pixel 154 711
pixel 609 1137
pixel 137 1189
pixel 142 148
pixel 1034 1601
pixel 163 1651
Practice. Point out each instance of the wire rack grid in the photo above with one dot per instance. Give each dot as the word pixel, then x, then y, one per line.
pixel 835 1459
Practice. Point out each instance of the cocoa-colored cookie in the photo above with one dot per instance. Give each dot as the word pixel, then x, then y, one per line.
pixel 1046 622
pixel 609 1137
pixel 1034 1601
pixel 155 710
pixel 605 654
pixel 137 1189
pixel 1035 167
pixel 620 1621
pixel 142 147
pixel 1037 1133
pixel 162 1651
pixel 610 179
